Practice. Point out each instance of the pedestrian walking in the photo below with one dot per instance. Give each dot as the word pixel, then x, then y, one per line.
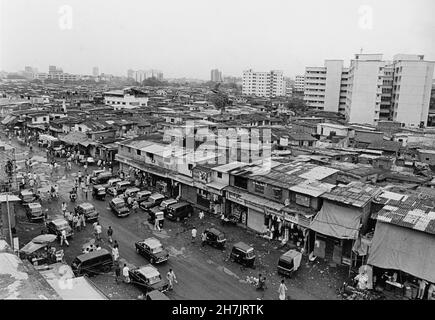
pixel 125 273
pixel 156 224
pixel 85 166
pixel 110 234
pixel 98 231
pixel 117 272
pixel 135 206
pixel 79 176
pixel 83 219
pixel 201 215
pixel 115 253
pixel 171 279
pixel 76 222
pixel 282 290
pixel 69 217
pixel 194 231
pixel 63 238
pixel 203 238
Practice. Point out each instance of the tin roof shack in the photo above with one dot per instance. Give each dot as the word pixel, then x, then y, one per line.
pixel 350 172
pixel 263 198
pixel 404 237
pixel 388 148
pixel 341 220
pixel 363 138
pixel 427 156
pixel 20 280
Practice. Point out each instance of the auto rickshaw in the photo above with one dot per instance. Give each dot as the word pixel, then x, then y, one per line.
pixel 243 254
pixel 215 238
pixel 27 196
pixel 289 262
pixel 99 192
pixel 156 213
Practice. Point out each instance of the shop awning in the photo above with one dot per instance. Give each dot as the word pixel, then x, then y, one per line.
pixel 8 119
pixel 258 202
pixel 337 221
pixel 216 185
pixel 401 248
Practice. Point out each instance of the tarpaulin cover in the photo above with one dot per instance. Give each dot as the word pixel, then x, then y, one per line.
pixel 337 221
pixel 399 248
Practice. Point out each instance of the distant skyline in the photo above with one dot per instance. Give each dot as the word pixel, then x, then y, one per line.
pixel 189 38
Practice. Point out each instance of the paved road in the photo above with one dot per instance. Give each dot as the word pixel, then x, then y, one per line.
pixel 202 272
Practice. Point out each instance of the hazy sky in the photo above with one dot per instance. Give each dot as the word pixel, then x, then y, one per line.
pixel 190 37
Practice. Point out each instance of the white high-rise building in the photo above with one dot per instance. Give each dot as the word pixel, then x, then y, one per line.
pixel 412 84
pixel 95 71
pixel 397 91
pixel 216 75
pixel 263 84
pixel 299 83
pixel 325 87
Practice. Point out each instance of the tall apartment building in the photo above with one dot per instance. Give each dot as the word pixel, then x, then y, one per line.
pixel 397 91
pixel 289 85
pixel 299 83
pixel 95 71
pixel 412 84
pixel 141 75
pixel 326 87
pixel 216 75
pixel 263 84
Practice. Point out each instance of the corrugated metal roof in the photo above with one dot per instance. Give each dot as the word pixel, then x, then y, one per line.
pixel 413 211
pixel 357 194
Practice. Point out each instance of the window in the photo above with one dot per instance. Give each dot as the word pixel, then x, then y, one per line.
pixel 129 149
pixel 138 152
pixel 277 193
pixel 427 159
pixel 259 187
pixel 219 175
pixel 190 166
pixel 241 182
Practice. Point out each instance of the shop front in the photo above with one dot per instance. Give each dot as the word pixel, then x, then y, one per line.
pixel 403 261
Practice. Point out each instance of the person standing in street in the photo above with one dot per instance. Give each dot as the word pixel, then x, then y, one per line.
pixel 110 234
pixel 201 215
pixel 125 273
pixel 194 234
pixel 83 219
pixel 117 272
pixel 98 231
pixel 203 238
pixel 115 253
pixel 171 279
pixel 77 222
pixel 282 290
pixel 64 208
pixel 63 238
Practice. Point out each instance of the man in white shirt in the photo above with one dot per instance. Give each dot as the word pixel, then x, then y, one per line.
pixel 193 234
pixel 63 238
pixel 125 273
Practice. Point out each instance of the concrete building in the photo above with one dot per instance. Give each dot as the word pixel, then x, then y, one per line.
pixel 397 91
pixel 263 84
pixel 127 98
pixel 299 83
pixel 411 92
pixel 289 85
pixel 95 71
pixel 326 87
pixel 216 75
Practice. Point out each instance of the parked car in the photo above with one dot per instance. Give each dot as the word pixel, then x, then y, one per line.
pixel 215 238
pixel 111 183
pixel 57 225
pixel 95 173
pixel 34 211
pixel 152 249
pixel 243 254
pixel 118 206
pixel 27 196
pixel 99 192
pixel 179 211
pixel 156 295
pixel 142 195
pixel 131 192
pixel 92 263
pixel 154 200
pixel 88 209
pixel 165 203
pixel 148 278
pixel 102 177
pixel 289 262
pixel 119 188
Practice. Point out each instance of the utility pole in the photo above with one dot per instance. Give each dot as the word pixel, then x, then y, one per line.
pixel 9 221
